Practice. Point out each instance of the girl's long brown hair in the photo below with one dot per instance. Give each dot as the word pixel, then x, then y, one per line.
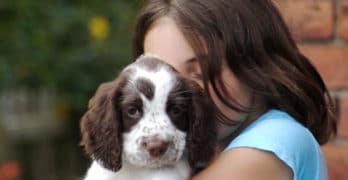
pixel 253 38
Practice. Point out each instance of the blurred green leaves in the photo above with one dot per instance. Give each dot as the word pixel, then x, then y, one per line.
pixel 68 46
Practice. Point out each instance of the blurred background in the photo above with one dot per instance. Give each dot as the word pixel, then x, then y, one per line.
pixel 55 53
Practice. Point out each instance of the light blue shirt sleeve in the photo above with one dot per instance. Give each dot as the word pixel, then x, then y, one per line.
pixel 278 133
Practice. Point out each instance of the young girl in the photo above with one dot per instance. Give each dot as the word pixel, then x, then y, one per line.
pixel 274 109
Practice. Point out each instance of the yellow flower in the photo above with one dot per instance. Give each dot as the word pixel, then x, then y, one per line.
pixel 99 27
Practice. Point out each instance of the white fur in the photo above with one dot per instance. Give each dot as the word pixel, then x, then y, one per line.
pixel 179 171
pixel 136 161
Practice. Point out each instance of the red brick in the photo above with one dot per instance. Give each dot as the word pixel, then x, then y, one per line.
pixel 337 161
pixel 343 117
pixel 331 62
pixel 308 19
pixel 343 19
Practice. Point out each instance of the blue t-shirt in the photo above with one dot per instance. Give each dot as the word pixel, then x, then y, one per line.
pixel 279 133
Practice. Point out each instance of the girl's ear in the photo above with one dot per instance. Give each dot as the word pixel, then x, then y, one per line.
pixel 101 126
pixel 201 139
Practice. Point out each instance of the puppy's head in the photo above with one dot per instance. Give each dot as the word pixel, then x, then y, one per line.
pixel 149 117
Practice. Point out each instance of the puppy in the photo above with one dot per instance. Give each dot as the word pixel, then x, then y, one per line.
pixel 150 123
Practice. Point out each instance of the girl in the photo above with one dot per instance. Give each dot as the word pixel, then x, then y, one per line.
pixel 274 111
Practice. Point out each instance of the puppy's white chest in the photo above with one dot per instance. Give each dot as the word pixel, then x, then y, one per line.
pixel 179 171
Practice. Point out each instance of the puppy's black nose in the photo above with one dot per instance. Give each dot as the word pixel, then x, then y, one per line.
pixel 156 147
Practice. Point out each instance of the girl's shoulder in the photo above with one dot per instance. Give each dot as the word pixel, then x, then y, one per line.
pixel 279 133
pixel 276 128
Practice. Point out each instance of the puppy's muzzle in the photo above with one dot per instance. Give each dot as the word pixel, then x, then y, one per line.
pixel 155 146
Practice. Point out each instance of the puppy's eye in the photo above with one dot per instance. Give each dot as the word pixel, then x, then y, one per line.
pixel 176 110
pixel 133 112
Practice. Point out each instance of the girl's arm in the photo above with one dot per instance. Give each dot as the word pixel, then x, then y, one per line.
pixel 245 164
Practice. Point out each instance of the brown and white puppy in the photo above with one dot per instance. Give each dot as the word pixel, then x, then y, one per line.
pixel 149 123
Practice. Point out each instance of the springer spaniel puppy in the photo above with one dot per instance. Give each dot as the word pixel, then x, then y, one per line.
pixel 150 123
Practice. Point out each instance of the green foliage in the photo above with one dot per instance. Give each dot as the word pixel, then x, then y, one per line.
pixel 48 44
pixel 68 47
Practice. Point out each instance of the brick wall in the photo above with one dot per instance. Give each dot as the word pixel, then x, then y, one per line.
pixel 321 30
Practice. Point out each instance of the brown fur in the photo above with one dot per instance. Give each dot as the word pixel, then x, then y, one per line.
pixel 100 126
pixel 201 137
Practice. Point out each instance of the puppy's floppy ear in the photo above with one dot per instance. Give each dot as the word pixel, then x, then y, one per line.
pixel 101 126
pixel 201 138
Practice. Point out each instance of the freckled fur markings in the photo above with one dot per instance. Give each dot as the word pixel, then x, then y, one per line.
pixel 154 85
